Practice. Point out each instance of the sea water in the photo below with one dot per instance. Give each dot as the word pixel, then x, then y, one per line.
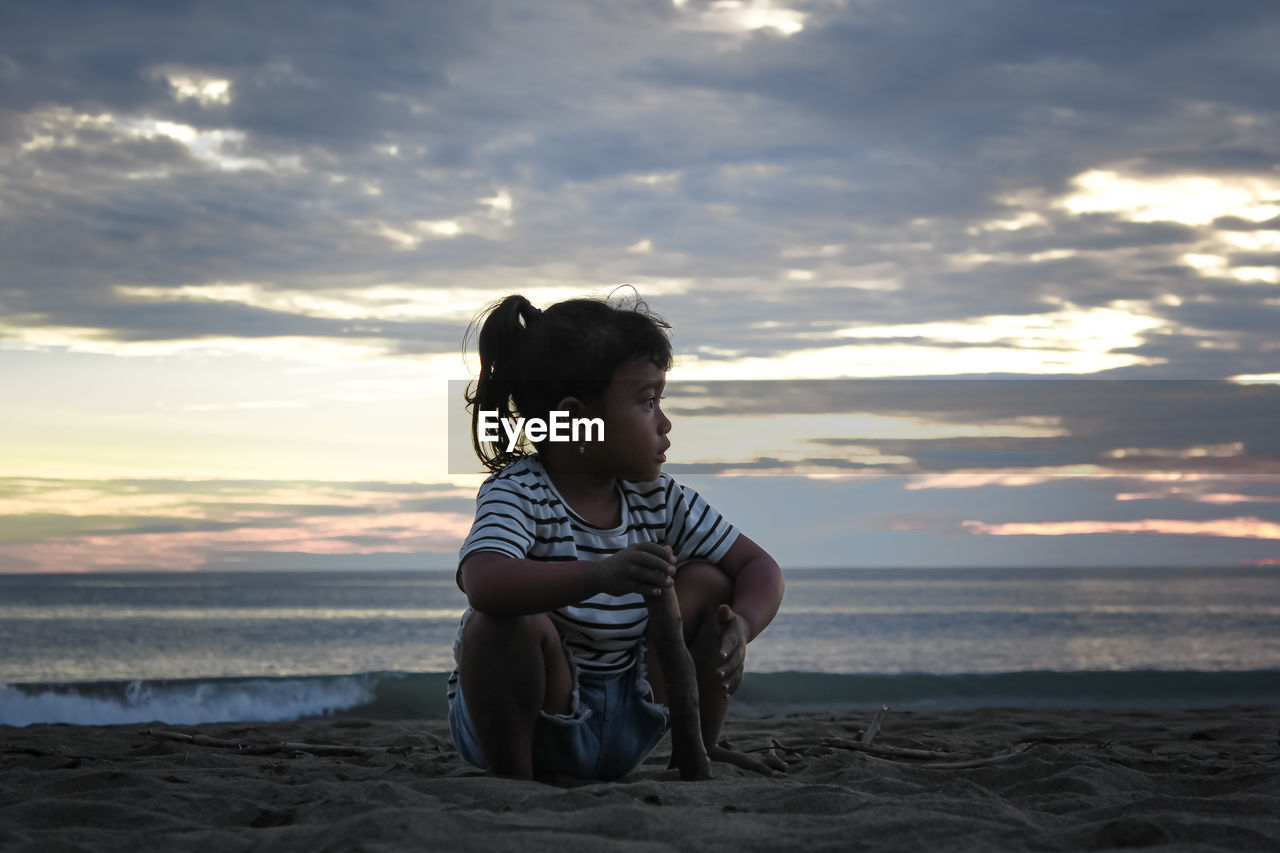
pixel 189 648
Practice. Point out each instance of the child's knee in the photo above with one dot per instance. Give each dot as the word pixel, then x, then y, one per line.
pixel 516 650
pixel 497 632
pixel 702 583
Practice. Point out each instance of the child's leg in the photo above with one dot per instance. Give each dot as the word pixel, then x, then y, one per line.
pixel 509 669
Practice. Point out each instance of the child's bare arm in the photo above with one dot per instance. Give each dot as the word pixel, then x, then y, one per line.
pixel 757 583
pixel 757 595
pixel 505 586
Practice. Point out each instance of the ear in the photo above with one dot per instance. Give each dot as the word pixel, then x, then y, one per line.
pixel 577 408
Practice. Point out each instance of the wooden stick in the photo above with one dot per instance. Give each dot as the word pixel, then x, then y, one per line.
pixel 1091 741
pixel 874 728
pixel 263 748
pixel 929 757
pixel 666 632
pixel 883 751
pixel 34 752
pixel 779 746
pixel 976 762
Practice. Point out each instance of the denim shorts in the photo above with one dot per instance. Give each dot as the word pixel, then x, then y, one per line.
pixel 611 727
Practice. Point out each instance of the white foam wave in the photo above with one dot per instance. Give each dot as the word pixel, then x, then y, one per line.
pixel 190 703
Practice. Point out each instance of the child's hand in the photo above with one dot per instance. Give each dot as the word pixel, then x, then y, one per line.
pixel 646 568
pixel 733 647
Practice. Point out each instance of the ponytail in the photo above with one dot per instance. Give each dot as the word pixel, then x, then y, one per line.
pixel 501 335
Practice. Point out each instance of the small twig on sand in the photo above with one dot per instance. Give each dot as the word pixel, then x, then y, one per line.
pixel 263 748
pixel 884 751
pixel 977 762
pixel 37 752
pixel 874 729
pixel 932 758
pixel 34 752
pixel 1091 741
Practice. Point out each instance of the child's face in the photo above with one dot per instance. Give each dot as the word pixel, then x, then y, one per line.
pixel 635 429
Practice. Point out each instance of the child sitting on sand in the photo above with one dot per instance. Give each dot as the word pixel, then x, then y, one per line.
pixel 605 598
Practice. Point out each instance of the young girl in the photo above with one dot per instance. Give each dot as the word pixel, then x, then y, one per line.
pixel 574 545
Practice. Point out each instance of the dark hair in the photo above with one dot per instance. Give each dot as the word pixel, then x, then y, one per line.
pixel 530 360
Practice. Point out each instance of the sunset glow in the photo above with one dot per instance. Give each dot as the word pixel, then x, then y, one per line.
pixel 929 281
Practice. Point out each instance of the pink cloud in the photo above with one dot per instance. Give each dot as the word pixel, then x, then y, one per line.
pixel 1248 527
pixel 399 533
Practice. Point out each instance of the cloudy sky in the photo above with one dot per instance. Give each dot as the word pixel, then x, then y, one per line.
pixel 242 242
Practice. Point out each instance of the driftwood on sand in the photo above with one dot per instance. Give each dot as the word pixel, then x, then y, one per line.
pixel 689 754
pixel 265 748
pixel 666 632
pixel 932 759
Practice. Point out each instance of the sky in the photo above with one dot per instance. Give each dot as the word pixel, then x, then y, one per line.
pixel 951 282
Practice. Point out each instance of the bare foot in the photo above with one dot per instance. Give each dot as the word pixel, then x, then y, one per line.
pixel 771 765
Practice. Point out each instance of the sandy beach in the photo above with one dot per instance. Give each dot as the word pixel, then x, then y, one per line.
pixel 1043 780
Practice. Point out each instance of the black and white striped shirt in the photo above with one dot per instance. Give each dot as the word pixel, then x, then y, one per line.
pixel 519 513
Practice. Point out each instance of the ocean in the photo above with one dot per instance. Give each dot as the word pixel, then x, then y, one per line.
pixel 105 649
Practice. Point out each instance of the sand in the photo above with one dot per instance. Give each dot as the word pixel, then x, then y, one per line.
pixel 1181 780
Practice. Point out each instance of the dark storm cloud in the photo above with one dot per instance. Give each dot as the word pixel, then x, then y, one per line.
pixel 769 465
pixel 1240 313
pixel 1114 259
pixel 964 400
pixel 1235 223
pixel 1209 160
pixel 1179 357
pixel 1097 233
pixel 303 71
pixel 1254 259
pixel 944 80
pixel 889 131
pixel 156 321
pixel 1220 429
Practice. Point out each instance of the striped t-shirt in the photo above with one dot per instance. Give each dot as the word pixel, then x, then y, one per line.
pixel 519 513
